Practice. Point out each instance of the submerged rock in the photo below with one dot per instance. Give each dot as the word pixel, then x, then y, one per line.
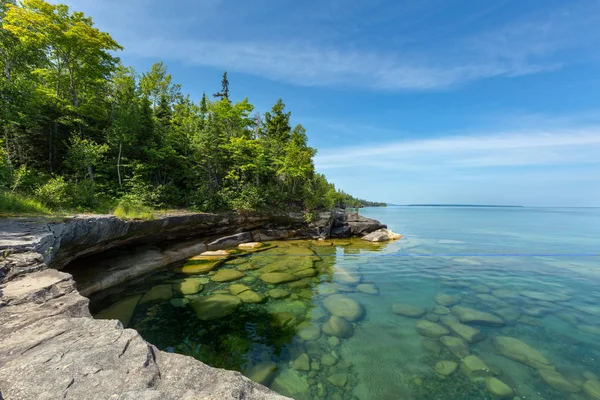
pixel 328 360
pixel 344 276
pixel 160 292
pixel 337 326
pixel 227 275
pixel 457 346
pixel 447 300
pixel 343 306
pixel 472 316
pixel 122 310
pixel 445 368
pixel 441 310
pixel 557 381
pixel 408 311
pixel 263 372
pixel 237 288
pixel 308 331
pixel 544 296
pixel 474 367
pixel 306 273
pixel 250 296
pixel 517 350
pixel 592 389
pixel 509 314
pixel 498 388
pixel 431 329
pixel 290 382
pixel 302 363
pixel 216 306
pixel 199 268
pixel 468 333
pixel 367 288
pixel 275 278
pixel 338 379
pixel 190 286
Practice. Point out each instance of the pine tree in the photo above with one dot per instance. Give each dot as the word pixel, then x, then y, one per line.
pixel 224 93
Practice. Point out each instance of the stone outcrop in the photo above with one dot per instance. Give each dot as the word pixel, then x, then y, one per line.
pixel 51 347
pixel 346 224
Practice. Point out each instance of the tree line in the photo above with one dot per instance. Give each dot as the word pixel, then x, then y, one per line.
pixel 82 131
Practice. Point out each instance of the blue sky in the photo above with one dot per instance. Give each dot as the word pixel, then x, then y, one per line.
pixel 414 101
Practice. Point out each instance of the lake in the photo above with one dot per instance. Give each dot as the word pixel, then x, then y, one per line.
pixel 472 303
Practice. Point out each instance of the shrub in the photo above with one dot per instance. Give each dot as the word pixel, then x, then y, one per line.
pixel 248 199
pixel 55 193
pixel 17 204
pixel 131 210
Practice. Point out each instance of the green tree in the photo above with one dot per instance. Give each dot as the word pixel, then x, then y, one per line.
pixel 224 93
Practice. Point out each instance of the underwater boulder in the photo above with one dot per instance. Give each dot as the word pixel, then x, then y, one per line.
pixel 122 310
pixel 498 388
pixel 517 350
pixel 431 329
pixel 227 275
pixel 343 306
pixel 339 327
pixel 275 278
pixel 472 316
pixel 216 306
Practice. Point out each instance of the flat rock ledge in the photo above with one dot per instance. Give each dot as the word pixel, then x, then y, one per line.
pixel 51 347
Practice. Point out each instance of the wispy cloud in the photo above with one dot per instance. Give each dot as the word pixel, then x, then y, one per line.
pixel 516 149
pixel 378 60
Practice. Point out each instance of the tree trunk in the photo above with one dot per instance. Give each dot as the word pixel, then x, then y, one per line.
pixel 119 166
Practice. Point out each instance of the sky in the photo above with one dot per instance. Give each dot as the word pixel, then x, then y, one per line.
pixel 413 101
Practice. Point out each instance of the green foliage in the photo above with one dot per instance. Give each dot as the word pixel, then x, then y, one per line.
pixel 128 210
pixel 54 193
pixel 17 204
pixel 83 132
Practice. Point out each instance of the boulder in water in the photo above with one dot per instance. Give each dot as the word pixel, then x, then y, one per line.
pixel 472 316
pixel 343 306
pixel 275 278
pixel 474 367
pixel 445 368
pixel 408 311
pixel 457 346
pixel 216 306
pixel 431 329
pixel 337 326
pixel 517 350
pixel 227 275
pixel 262 372
pixel 498 388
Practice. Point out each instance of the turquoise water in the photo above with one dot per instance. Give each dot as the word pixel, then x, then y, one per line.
pixel 533 273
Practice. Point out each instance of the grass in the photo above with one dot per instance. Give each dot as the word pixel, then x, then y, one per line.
pixel 14 204
pixel 127 211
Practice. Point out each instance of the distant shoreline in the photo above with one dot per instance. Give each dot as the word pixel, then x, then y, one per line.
pixel 456 205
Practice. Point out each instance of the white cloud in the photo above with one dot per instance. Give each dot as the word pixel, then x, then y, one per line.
pixel 510 149
pixel 529 45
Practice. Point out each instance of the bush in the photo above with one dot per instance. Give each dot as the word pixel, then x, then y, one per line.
pixel 16 204
pixel 248 199
pixel 131 210
pixel 55 193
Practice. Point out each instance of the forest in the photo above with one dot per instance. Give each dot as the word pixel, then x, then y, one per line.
pixel 83 132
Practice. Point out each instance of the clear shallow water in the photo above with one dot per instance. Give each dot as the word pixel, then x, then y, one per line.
pixel 532 271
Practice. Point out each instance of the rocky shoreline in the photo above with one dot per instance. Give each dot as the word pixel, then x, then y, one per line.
pixel 50 347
